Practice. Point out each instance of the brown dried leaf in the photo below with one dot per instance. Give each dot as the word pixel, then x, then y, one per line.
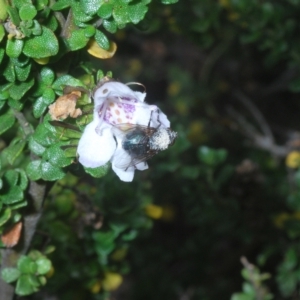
pixel 65 106
pixel 11 237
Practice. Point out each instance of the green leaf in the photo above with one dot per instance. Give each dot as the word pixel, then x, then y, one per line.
pixel 10 274
pixel 137 12
pixel 26 265
pixel 52 23
pixel 43 136
pixel 211 157
pixel 65 133
pixel 15 104
pixel 110 26
pixel 11 177
pixel 20 61
pixel 64 80
pixel 23 180
pixel 42 103
pixel 241 296
pixel 90 6
pixel 20 3
pixel 47 76
pixel 18 90
pixel 120 14
pixel 56 156
pixel 89 31
pixel 77 40
pixel 70 151
pixel 105 242
pixel 18 205
pixel 50 172
pixel 41 46
pixel 35 254
pixel 35 147
pixel 4 94
pixel 14 47
pixel 1 54
pixel 39 107
pixel 79 13
pixel 6 121
pixel 24 286
pixel 43 265
pixel 14 149
pixel 2 103
pixel 102 40
pixel 2 32
pixel 9 72
pixel 34 281
pixel 14 15
pixel 5 215
pixel 105 10
pixel 22 73
pixel 33 170
pixel 98 172
pixel 14 194
pixel 41 4
pixel 169 1
pixel 131 235
pixel 42 280
pixel 27 12
pixel 61 4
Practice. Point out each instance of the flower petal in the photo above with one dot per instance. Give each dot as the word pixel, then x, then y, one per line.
pixel 158 118
pixel 140 96
pixel 120 163
pixel 126 176
pixel 141 115
pixel 142 166
pixel 96 150
pixel 114 88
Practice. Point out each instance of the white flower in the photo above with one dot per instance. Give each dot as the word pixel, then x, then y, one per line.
pixel 115 103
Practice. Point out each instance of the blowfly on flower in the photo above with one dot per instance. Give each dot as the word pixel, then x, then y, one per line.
pixel 125 130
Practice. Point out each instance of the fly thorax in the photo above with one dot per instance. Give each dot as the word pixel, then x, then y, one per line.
pixel 160 140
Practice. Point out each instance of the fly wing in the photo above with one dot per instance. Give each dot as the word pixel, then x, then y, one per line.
pixel 143 158
pixel 120 130
pixel 125 161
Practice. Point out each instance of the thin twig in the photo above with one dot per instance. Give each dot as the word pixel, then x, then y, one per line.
pixel 265 139
pixel 257 115
pixel 25 125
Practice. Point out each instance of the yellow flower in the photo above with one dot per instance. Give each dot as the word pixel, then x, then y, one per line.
pixel 165 213
pixel 111 281
pixel 95 50
pixel 225 3
pixel 293 159
pixel 42 61
pixel 154 211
